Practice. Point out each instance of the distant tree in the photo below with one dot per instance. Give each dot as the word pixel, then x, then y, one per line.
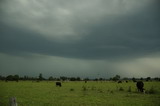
pixel 2 77
pixel 116 78
pixel 72 79
pixel 16 78
pixel 156 79
pixel 40 77
pixel 141 78
pixel 96 79
pixel 134 79
pixel 9 78
pixel 63 78
pixel 50 78
pixel 78 79
pixel 148 78
pixel 101 79
pixel 26 77
pixel 12 78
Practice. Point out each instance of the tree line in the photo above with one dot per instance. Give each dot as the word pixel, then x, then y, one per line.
pixel 64 78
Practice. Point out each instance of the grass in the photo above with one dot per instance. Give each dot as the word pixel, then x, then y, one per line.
pixel 79 94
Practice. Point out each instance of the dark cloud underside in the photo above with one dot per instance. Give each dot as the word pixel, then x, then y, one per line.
pixel 128 35
pixel 89 30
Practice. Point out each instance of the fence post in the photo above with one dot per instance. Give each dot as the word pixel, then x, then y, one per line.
pixel 12 102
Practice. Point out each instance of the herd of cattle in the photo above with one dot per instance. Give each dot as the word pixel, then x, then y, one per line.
pixel 139 85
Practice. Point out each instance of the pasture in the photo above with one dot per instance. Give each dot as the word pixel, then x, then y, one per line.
pixel 92 93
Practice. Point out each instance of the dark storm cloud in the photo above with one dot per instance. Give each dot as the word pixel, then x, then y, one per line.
pixel 113 36
pixel 80 37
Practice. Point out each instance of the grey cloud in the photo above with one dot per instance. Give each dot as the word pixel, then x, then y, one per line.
pixel 133 34
pixel 80 38
pixel 60 19
pixel 103 34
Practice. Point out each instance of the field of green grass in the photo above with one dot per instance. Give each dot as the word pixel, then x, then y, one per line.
pixel 92 93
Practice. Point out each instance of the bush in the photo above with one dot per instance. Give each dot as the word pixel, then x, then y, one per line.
pixel 111 92
pixel 71 89
pixel 84 88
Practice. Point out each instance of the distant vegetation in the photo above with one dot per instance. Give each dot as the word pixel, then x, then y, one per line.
pixel 64 78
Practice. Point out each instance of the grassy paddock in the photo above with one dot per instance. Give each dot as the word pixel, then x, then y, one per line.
pixel 107 93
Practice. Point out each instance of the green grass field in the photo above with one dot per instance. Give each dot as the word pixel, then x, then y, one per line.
pixel 91 93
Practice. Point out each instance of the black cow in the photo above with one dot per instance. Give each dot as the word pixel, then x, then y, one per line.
pixel 58 84
pixel 140 85
pixel 119 81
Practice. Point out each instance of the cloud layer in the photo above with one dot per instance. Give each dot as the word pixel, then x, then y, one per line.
pixel 88 30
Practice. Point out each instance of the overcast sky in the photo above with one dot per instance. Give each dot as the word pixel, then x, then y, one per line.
pixel 85 38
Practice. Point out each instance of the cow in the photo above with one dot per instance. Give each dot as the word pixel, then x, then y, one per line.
pixel 134 81
pixel 58 84
pixel 119 81
pixel 140 85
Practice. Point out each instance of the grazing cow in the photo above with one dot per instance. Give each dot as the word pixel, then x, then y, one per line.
pixel 119 81
pixel 134 81
pixel 58 84
pixel 140 85
pixel 126 81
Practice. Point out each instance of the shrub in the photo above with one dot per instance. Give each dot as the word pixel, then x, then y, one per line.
pixel 71 89
pixel 84 88
pixel 111 92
